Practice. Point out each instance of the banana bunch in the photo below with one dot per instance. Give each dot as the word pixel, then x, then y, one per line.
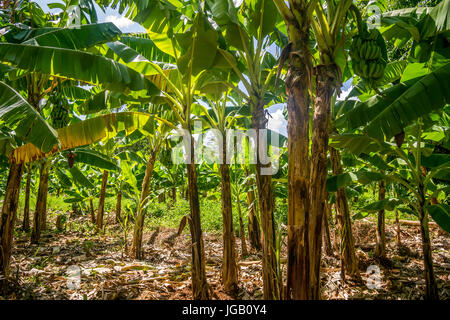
pixel 59 116
pixel 368 54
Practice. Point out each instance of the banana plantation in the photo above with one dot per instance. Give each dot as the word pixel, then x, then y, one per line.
pixel 225 149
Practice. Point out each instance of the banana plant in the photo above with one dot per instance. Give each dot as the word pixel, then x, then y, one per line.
pixel 195 50
pixel 416 164
pixel 220 118
pixel 155 141
pixel 248 30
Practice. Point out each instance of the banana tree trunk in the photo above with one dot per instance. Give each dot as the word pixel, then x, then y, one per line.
pixel 200 290
pixel 242 230
pixel 41 203
pixel 325 86
pixel 7 219
pixel 380 249
pixel 26 209
pixel 91 207
pixel 101 201
pixel 344 222
pixel 118 206
pixel 297 84
pixel 174 195
pixel 229 267
pixel 254 233
pixel 326 234
pixel 272 285
pixel 136 247
pixel 431 292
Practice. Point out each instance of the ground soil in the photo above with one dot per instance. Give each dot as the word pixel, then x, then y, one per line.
pixel 42 271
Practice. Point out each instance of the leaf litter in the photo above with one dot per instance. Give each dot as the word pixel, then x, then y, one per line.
pixel 42 271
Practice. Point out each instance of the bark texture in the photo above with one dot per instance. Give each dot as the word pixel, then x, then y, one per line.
pixel 174 195
pixel 325 86
pixel 380 249
pixel 244 250
pixel 254 232
pixel 26 209
pixel 344 222
pixel 297 85
pixel 101 201
pixel 91 207
pixel 136 247
pixel 326 234
pixel 7 219
pixel 271 282
pixel 118 207
pixel 200 290
pixel 41 203
pixel 229 267
pixel 431 292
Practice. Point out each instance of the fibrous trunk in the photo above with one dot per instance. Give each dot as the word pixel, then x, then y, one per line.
pixel 200 289
pixel 244 250
pixel 297 84
pixel 380 249
pixel 41 204
pixel 254 233
pixel 326 233
pixel 325 86
pixel 431 292
pixel 229 267
pixel 91 207
pixel 136 247
pixel 7 219
pixel 174 195
pixel 26 209
pixel 101 201
pixel 344 222
pixel 118 206
pixel 271 282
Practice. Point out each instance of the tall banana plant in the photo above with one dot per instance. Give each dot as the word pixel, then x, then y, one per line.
pixel 28 125
pixel 421 91
pixel 330 28
pixel 155 142
pixel 307 174
pixel 248 29
pixel 220 118
pixel 414 165
pixel 194 48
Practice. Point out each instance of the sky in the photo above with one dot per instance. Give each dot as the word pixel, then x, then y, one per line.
pixel 276 122
pixel 110 15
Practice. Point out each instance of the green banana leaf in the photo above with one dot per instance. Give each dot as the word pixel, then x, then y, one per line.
pixel 76 65
pixel 95 159
pixel 77 38
pixel 387 115
pixel 80 178
pixel 19 115
pixel 441 214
